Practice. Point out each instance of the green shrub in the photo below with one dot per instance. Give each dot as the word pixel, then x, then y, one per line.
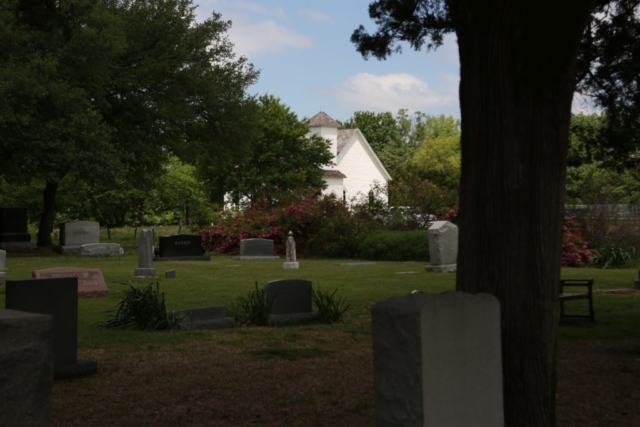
pixel 141 308
pixel 613 256
pixel 330 307
pixel 252 309
pixel 396 246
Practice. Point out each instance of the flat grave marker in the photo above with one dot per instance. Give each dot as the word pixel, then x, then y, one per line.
pixel 90 280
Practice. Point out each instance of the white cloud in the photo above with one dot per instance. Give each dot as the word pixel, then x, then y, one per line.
pixel 317 16
pixel 265 37
pixel 257 29
pixel 390 92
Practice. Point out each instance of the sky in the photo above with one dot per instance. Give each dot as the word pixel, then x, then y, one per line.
pixel 305 57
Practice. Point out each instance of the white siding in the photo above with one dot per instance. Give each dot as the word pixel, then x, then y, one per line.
pixel 334 185
pixel 359 167
pixel 332 135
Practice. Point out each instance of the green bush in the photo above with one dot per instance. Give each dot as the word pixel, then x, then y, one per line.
pixel 613 256
pixel 141 308
pixel 330 307
pixel 396 246
pixel 252 309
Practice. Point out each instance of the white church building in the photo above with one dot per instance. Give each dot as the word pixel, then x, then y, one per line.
pixel 356 167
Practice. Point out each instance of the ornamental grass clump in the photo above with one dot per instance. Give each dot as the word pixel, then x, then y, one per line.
pixel 330 307
pixel 252 309
pixel 141 308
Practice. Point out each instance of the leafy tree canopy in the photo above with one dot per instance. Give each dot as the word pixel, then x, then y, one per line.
pixel 280 159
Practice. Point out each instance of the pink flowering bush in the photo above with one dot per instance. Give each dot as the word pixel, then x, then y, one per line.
pixel 451 215
pixel 575 252
pixel 321 226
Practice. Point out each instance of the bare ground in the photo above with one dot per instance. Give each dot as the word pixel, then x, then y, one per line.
pixel 323 379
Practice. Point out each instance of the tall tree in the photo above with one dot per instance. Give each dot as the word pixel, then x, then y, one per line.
pixel 517 79
pixel 121 84
pixel 280 159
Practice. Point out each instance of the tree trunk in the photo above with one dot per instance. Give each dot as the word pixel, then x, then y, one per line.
pixel 517 77
pixel 48 214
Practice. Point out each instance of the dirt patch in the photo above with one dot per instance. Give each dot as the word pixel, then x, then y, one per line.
pixel 213 383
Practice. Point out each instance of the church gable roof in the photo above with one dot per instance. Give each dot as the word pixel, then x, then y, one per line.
pixel 343 137
pixel 322 119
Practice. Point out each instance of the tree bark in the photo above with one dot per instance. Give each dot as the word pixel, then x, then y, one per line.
pixel 48 214
pixel 517 77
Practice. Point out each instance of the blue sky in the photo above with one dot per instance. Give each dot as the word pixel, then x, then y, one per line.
pixel 303 51
pixel 305 58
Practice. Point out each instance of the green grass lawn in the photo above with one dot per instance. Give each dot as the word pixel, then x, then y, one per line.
pixel 221 280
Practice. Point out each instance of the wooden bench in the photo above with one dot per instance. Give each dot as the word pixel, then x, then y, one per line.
pixel 570 296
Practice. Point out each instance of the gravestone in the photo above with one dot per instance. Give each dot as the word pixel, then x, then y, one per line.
pixel 204 318
pixel 145 256
pixel 290 301
pixel 437 360
pixel 26 373
pixel 170 274
pixel 57 298
pixel 100 250
pixel 181 247
pixel 291 263
pixel 74 234
pixel 256 249
pixel 90 280
pixel 443 247
pixel 3 266
pixel 13 230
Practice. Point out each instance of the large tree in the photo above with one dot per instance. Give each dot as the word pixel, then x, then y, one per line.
pixel 115 87
pixel 280 158
pixel 517 79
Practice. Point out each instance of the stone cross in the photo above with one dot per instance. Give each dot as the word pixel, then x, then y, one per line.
pixel 291 263
pixel 145 255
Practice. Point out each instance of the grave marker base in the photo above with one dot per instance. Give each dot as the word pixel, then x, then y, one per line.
pixel 82 368
pixel 254 257
pixel 447 268
pixel 291 265
pixel 184 258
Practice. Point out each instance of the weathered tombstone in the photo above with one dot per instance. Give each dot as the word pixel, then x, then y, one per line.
pixel 443 247
pixel 170 274
pixel 290 301
pixel 26 358
pixel 3 266
pixel 291 263
pixel 74 234
pixel 204 318
pixel 57 298
pixel 91 282
pixel 100 250
pixel 437 361
pixel 145 256
pixel 636 283
pixel 253 249
pixel 13 230
pixel 181 247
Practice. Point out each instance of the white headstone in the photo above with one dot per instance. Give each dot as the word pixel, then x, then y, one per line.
pixel 443 247
pixel 437 361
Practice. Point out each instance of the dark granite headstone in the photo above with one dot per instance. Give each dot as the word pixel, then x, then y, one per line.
pixel 13 229
pixel 59 299
pixel 290 296
pixel 181 247
pixel 256 249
